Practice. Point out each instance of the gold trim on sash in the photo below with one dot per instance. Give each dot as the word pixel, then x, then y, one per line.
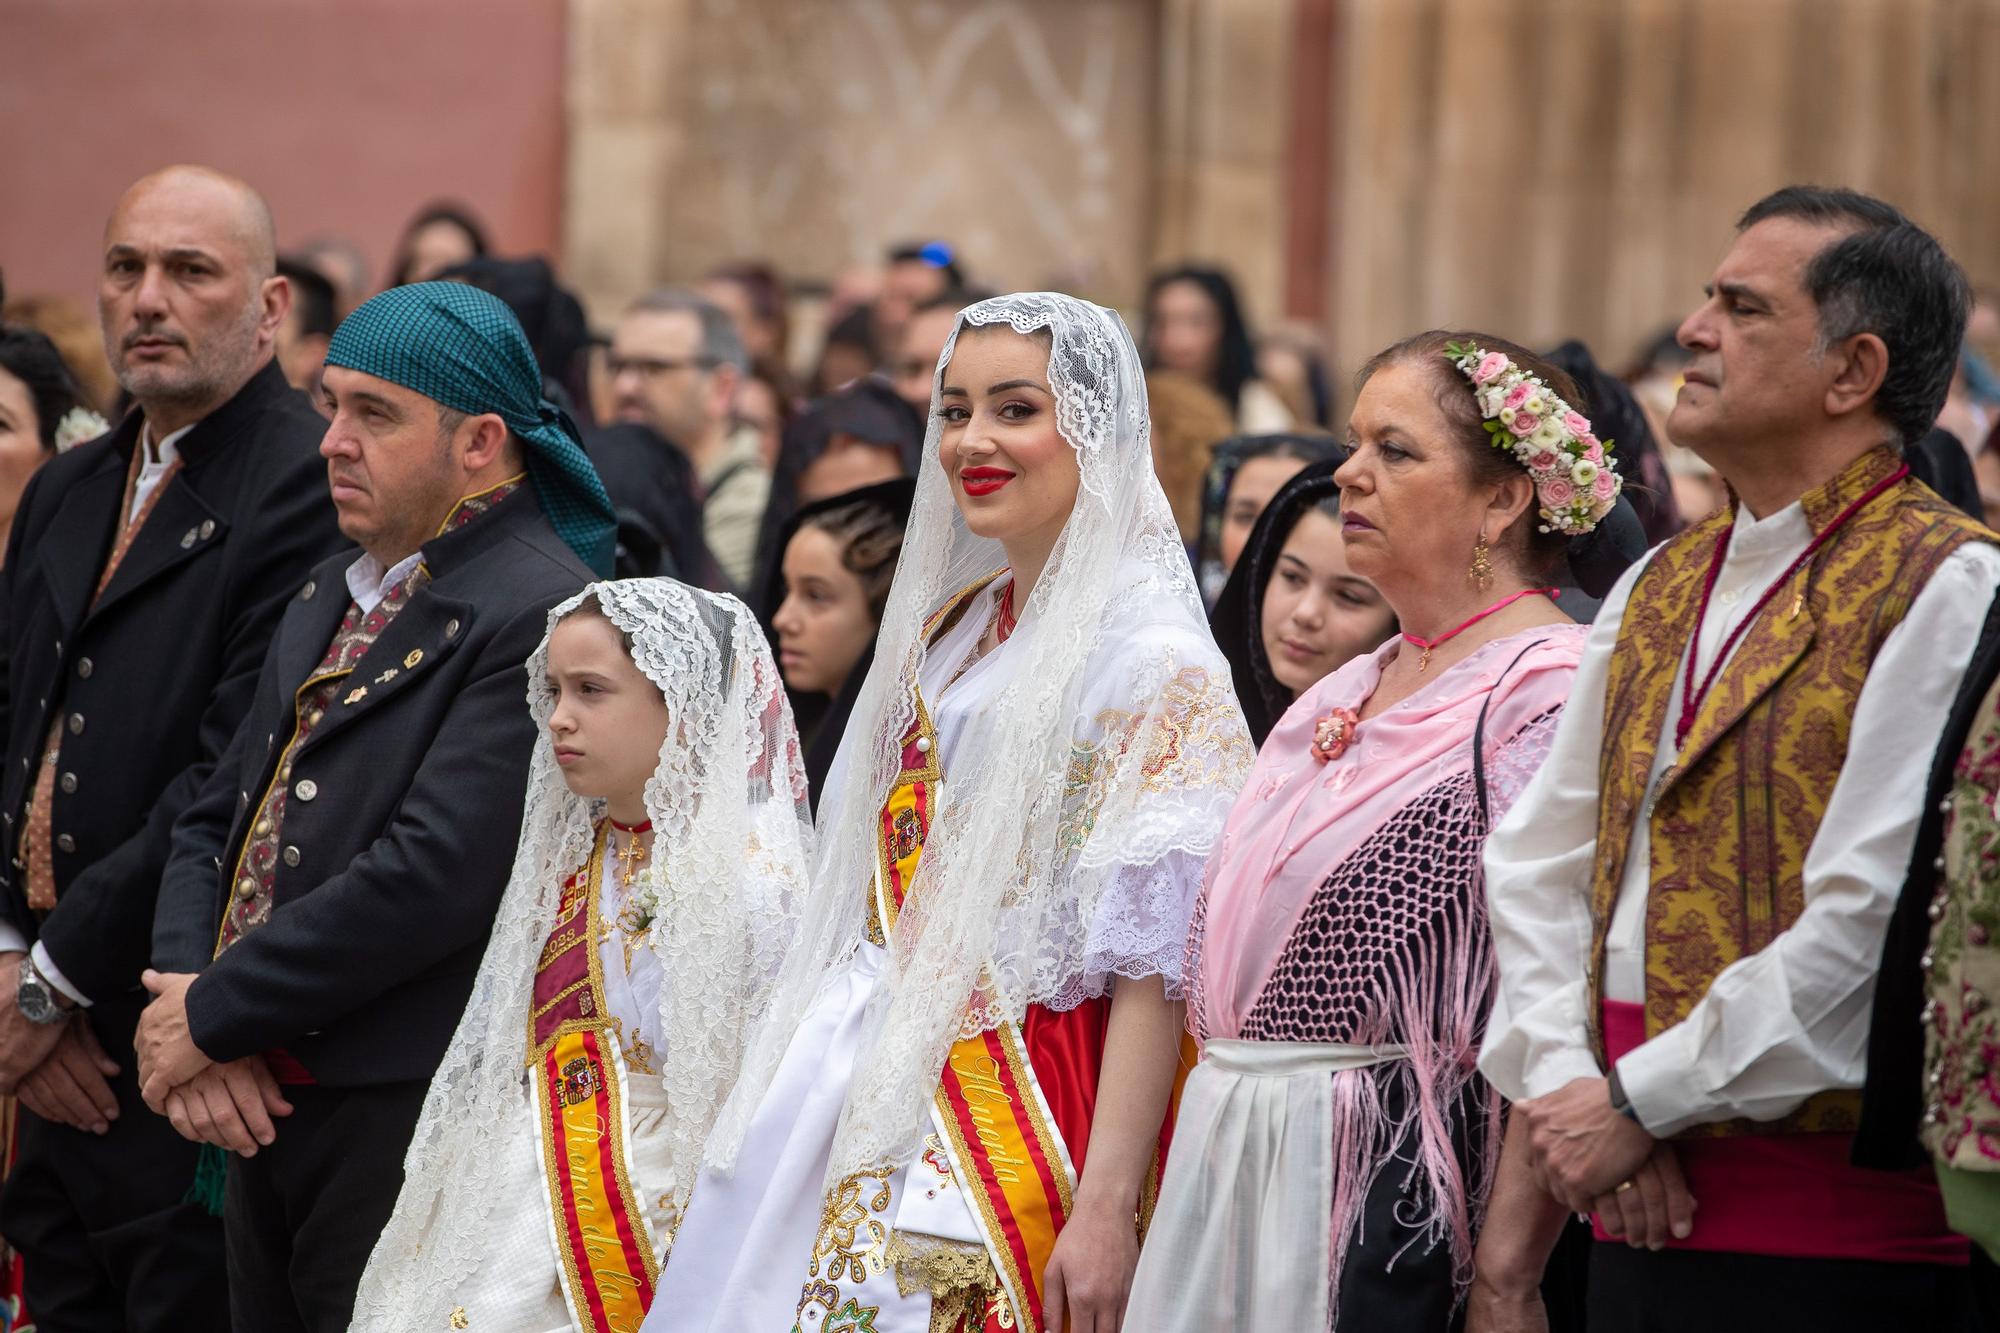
pixel 610 1262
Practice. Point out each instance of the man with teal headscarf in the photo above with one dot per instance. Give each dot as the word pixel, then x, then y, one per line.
pixel 331 889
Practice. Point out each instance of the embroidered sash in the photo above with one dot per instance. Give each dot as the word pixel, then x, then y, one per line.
pixel 989 1111
pixel 610 1264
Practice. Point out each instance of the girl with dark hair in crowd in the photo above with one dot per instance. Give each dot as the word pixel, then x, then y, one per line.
pixel 42 410
pixel 1244 474
pixel 853 437
pixel 828 593
pixel 440 236
pixel 1294 611
pixel 1195 325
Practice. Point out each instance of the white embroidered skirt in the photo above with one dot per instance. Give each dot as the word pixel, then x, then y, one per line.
pixel 740 1259
pixel 1243 1231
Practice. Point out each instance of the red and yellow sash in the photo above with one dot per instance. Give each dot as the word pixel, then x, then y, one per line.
pixel 995 1125
pixel 610 1264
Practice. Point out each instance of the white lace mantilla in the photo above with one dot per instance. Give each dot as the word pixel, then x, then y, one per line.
pixel 731 845
pixel 1107 744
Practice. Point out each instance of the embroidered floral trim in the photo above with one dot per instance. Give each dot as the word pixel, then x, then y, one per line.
pixel 1576 483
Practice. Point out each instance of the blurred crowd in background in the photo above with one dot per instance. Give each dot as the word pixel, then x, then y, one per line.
pixel 757 429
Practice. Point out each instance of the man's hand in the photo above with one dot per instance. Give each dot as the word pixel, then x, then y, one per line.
pixel 1581 1147
pixel 23 1045
pixel 229 1105
pixel 1656 1205
pixel 69 1087
pixel 168 1056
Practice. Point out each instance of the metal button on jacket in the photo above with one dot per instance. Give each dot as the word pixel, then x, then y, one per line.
pixel 246 888
pixel 451 629
pixel 76 724
pixel 306 789
pixel 68 783
pixel 306 593
pixel 207 528
pixel 65 843
pixel 291 856
pixel 84 667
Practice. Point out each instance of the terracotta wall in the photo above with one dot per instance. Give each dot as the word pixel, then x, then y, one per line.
pixel 347 114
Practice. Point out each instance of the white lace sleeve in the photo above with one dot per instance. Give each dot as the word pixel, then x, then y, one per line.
pixel 1141 925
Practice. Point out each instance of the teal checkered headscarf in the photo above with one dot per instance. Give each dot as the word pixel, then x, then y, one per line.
pixel 463 348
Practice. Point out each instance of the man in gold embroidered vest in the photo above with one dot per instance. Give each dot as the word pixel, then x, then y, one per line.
pixel 332 886
pixel 1689 900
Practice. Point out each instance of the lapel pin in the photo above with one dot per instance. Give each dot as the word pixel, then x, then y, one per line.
pixel 388 676
pixel 416 656
pixel 207 528
pixel 355 696
pixel 187 539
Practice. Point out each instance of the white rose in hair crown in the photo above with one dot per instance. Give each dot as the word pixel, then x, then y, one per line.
pixel 1576 483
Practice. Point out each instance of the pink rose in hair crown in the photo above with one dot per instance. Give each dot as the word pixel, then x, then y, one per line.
pixel 1576 423
pixel 1605 488
pixel 1525 423
pixel 1490 368
pixel 1591 448
pixel 1544 460
pixel 1515 397
pixel 1557 491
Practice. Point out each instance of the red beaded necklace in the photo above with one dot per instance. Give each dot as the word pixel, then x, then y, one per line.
pixel 1424 662
pixel 1005 623
pixel 1694 694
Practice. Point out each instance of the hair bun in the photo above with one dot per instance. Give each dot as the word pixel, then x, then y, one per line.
pixel 1599 556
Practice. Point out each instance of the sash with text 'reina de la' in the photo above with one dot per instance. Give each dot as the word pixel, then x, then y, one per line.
pixel 990 1112
pixel 610 1264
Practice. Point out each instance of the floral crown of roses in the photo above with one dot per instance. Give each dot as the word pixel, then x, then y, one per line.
pixel 1576 483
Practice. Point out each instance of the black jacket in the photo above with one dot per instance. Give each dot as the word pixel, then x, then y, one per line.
pixel 400 830
pixel 1892 1099
pixel 150 683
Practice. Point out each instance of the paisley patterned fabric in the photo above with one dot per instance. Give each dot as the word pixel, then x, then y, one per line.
pixel 1961 1124
pixel 1732 820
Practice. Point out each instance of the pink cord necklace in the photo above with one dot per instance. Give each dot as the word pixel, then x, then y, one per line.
pixel 1424 662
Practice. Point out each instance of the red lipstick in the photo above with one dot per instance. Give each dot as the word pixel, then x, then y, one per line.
pixel 984 480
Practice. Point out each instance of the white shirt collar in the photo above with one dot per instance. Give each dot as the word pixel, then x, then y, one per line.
pixel 1788 531
pixel 368 583
pixel 168 447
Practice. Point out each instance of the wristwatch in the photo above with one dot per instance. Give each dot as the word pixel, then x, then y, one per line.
pixel 36 998
pixel 1619 1102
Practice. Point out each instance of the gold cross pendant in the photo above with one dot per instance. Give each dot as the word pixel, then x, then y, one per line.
pixel 630 855
pixel 1424 662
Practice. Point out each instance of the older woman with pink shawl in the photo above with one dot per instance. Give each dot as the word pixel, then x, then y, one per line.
pixel 1336 1148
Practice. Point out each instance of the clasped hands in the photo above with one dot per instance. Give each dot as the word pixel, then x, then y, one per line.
pixel 231 1104
pixel 57 1070
pixel 1592 1159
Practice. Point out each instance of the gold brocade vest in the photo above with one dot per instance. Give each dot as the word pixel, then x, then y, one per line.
pixel 1732 820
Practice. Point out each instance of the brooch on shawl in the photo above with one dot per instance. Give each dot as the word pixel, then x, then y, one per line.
pixel 1333 733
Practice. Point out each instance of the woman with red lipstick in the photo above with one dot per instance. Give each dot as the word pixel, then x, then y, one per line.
pixel 1336 1150
pixel 661 865
pixel 954 1110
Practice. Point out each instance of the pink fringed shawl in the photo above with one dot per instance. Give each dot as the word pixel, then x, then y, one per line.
pixel 1345 904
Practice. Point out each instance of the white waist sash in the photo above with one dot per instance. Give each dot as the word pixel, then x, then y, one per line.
pixel 1283 1059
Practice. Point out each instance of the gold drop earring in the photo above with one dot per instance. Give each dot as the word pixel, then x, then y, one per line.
pixel 1482 564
